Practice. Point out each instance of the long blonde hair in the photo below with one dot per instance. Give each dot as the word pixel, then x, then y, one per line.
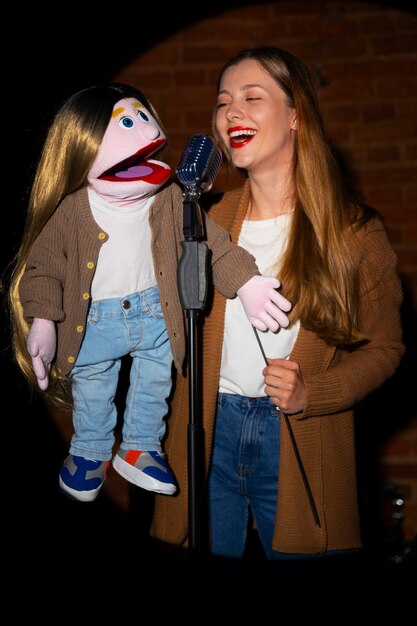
pixel 70 148
pixel 318 269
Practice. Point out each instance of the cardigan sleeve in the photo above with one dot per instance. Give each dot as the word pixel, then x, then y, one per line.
pixel 232 265
pixel 353 374
pixel 41 286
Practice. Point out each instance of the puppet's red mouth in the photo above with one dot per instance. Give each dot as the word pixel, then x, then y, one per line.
pixel 137 167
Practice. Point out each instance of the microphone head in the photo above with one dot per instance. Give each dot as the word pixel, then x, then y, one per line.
pixel 199 163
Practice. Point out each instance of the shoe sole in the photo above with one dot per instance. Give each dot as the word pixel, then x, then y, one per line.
pixel 81 496
pixel 140 479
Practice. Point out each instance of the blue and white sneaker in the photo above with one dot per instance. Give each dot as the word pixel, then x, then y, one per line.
pixel 146 469
pixel 82 478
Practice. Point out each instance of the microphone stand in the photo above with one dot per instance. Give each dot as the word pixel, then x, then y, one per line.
pixel 192 288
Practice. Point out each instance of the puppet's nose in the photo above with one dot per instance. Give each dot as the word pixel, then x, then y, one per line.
pixel 151 132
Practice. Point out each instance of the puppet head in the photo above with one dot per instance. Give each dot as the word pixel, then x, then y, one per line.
pixel 72 145
pixel 123 171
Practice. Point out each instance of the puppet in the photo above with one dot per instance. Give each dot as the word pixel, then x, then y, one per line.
pixel 95 280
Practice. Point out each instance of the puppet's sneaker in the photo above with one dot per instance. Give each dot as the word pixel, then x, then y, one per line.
pixel 82 478
pixel 146 469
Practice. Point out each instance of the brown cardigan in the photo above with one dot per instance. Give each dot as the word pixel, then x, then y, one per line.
pixel 61 264
pixel 335 381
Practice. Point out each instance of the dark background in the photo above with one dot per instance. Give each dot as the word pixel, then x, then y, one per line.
pixel 51 57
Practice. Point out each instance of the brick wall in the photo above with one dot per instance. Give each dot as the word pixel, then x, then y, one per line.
pixel 365 56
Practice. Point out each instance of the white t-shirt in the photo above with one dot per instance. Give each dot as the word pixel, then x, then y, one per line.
pixel 125 263
pixel 242 361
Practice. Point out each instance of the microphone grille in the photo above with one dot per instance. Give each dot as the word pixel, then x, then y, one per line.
pixel 199 162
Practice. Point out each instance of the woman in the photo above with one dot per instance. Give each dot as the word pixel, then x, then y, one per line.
pixel 279 439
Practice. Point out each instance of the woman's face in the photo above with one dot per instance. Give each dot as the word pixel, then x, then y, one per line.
pixel 253 118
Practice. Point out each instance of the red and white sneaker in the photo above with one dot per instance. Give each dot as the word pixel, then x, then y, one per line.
pixel 146 469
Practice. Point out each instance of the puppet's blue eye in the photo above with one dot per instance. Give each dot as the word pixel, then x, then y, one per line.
pixel 143 116
pixel 126 122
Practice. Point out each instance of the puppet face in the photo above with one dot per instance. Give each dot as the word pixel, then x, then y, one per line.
pixel 123 171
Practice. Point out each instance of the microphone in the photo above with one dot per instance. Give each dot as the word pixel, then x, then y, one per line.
pixel 199 164
pixel 196 170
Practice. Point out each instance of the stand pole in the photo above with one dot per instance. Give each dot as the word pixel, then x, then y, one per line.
pixel 195 441
pixel 192 288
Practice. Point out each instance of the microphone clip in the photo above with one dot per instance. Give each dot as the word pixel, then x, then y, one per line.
pixel 191 193
pixel 192 226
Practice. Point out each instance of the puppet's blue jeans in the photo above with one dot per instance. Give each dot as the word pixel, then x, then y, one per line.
pixel 244 475
pixel 116 327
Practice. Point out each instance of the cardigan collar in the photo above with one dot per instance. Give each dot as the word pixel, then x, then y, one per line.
pixel 240 212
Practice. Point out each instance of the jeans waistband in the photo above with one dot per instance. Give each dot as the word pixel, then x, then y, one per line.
pixel 246 402
pixel 130 304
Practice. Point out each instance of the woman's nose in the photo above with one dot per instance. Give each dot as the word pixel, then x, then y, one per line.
pixel 233 112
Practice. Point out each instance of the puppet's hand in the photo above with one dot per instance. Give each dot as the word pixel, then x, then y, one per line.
pixel 263 305
pixel 41 346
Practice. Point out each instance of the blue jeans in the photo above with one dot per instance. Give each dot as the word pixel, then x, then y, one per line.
pixel 116 327
pixel 244 474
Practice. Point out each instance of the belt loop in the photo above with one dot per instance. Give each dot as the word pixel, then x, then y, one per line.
pixel 93 313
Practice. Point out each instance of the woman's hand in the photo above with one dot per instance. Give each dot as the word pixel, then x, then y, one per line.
pixel 284 384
